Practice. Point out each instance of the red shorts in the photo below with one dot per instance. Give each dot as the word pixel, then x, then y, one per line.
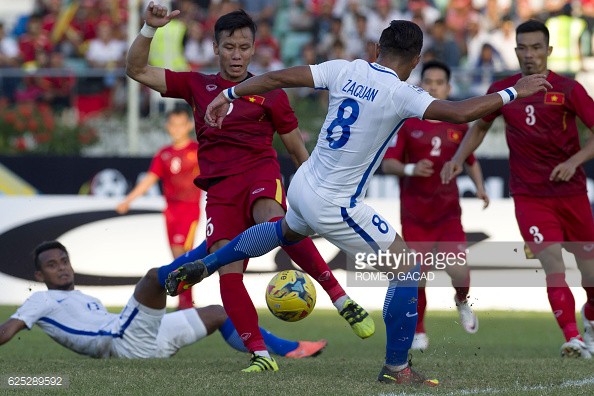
pixel 181 219
pixel 544 221
pixel 229 202
pixel 446 237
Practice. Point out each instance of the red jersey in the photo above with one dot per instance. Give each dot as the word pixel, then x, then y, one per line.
pixel 177 169
pixel 245 139
pixel 425 200
pixel 541 133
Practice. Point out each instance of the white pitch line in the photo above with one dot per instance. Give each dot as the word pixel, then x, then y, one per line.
pixel 492 391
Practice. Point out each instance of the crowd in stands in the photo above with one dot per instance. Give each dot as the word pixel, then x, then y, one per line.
pixel 91 35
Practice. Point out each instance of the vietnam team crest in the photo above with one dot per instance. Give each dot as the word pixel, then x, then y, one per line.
pixel 554 98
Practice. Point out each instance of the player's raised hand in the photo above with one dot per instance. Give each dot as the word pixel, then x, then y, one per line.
pixel 157 15
pixel 123 207
pixel 529 85
pixel 216 111
pixel 450 170
pixel 562 172
pixel 423 168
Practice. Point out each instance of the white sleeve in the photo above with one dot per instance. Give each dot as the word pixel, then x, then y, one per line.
pixel 411 101
pixel 324 72
pixel 36 307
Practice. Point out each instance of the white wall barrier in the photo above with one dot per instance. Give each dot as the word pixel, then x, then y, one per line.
pixel 121 246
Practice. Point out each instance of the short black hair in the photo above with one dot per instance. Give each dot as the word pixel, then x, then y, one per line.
pixel 402 39
pixel 533 26
pixel 233 21
pixel 178 110
pixel 435 64
pixel 45 246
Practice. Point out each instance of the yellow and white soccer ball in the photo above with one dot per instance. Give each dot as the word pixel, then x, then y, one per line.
pixel 291 295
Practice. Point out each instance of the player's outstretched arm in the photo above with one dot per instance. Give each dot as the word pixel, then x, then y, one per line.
pixel 137 66
pixel 474 108
pixel 565 170
pixel 9 328
pixel 471 141
pixel 298 76
pixel 293 141
pixel 475 172
pixel 141 188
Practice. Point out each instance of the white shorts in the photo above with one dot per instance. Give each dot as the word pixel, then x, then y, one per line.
pixel 353 230
pixel 178 329
pixel 139 326
pixel 150 333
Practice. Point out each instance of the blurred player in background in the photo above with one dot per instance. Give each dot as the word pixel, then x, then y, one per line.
pixel 176 166
pixel 238 168
pixel 547 181
pixel 430 211
pixel 142 330
pixel 369 102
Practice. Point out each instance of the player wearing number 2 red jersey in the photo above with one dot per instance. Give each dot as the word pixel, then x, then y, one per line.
pixel 175 166
pixel 238 168
pixel 430 211
pixel 547 181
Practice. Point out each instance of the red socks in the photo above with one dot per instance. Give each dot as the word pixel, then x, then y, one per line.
pixel 307 256
pixel 562 304
pixel 421 306
pixel 185 300
pixel 241 311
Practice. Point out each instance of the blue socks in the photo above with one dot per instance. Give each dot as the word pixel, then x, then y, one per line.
pixel 193 255
pixel 253 242
pixel 274 344
pixel 400 316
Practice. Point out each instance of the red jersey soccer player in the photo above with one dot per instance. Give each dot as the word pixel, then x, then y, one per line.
pixel 430 211
pixel 547 181
pixel 176 166
pixel 238 166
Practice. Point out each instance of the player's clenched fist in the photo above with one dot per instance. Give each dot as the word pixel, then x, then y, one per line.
pixel 529 85
pixel 156 15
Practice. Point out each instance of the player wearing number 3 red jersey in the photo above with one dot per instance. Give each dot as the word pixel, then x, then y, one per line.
pixel 547 181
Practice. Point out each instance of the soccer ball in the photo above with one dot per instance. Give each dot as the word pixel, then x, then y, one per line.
pixel 291 295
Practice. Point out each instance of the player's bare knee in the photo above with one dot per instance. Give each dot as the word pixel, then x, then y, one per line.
pixel 265 209
pixel 213 317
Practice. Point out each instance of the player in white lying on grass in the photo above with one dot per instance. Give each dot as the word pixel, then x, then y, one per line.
pixel 368 104
pixel 142 330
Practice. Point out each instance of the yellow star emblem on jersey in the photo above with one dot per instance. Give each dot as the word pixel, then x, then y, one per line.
pixel 554 98
pixel 252 99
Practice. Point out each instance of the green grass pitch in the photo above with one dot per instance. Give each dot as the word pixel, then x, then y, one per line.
pixel 514 353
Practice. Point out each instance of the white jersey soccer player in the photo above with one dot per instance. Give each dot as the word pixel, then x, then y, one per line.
pixel 80 322
pixel 368 104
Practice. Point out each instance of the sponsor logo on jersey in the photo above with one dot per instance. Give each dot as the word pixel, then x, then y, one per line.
pixel 554 98
pixel 211 87
pixel 257 190
pixel 416 134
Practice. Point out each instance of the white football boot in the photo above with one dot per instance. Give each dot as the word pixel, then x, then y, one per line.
pixel 468 319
